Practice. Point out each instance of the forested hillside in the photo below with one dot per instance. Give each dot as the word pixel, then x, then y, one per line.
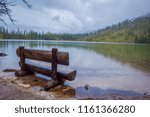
pixel 134 30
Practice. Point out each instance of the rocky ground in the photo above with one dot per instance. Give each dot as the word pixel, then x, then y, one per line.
pixel 9 91
pixel 30 88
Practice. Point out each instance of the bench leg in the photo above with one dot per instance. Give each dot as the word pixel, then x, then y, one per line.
pixel 50 84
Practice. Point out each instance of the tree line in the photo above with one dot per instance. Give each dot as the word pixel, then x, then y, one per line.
pixel 30 34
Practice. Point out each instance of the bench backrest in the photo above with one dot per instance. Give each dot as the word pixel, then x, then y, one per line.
pixel 43 55
pixel 53 56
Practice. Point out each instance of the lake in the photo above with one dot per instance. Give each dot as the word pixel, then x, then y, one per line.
pixel 107 68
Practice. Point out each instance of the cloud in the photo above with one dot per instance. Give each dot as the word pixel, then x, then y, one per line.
pixel 56 18
pixel 72 16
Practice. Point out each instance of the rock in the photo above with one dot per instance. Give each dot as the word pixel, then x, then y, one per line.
pixel 9 70
pixel 25 85
pixel 145 93
pixel 2 74
pixel 6 77
pixel 18 82
pixel 37 88
pixel 46 95
pixel 63 91
pixel 13 78
pixel 87 87
pixel 3 54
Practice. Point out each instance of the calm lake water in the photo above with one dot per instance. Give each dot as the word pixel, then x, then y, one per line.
pixel 107 68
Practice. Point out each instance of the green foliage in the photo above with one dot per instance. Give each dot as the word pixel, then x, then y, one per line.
pixel 134 31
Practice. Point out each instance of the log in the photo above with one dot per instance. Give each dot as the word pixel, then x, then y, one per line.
pixel 60 76
pixel 22 58
pixel 46 56
pixel 50 84
pixel 21 73
pixel 54 63
pixel 70 76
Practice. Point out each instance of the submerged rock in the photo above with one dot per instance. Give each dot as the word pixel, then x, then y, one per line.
pixel 87 86
pixel 146 93
pixel 9 70
pixel 3 54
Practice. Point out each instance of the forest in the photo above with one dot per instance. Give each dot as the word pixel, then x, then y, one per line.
pixel 33 35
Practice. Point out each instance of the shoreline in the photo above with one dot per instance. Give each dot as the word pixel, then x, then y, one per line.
pixel 13 88
pixel 71 41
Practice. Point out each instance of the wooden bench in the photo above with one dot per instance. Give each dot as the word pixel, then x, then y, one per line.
pixel 54 57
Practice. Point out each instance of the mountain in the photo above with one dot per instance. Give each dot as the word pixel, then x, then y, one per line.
pixel 135 30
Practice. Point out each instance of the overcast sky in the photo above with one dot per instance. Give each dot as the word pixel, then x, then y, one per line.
pixel 73 16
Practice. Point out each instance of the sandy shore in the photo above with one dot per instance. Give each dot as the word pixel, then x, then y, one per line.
pixel 30 88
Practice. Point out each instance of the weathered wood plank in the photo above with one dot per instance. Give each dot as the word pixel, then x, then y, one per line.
pixel 68 76
pixel 50 84
pixel 21 73
pixel 22 58
pixel 60 76
pixel 54 57
pixel 46 56
pixel 54 63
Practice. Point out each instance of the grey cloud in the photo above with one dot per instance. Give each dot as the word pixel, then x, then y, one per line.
pixel 56 18
pixel 77 15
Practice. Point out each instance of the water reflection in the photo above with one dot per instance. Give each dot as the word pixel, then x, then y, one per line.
pixel 95 92
pixel 107 66
pixel 138 56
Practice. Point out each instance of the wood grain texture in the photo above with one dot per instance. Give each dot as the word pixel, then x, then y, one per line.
pixel 46 56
